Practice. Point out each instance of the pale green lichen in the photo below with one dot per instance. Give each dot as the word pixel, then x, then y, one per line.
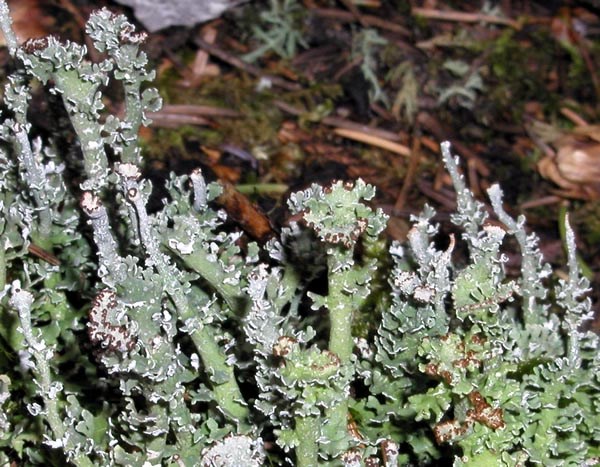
pixel 200 346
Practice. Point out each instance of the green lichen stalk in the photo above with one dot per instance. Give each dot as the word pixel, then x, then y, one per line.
pixel 339 219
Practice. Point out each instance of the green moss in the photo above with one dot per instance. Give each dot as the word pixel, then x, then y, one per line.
pixel 515 80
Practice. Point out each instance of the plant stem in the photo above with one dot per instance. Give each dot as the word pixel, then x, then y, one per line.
pixel 340 308
pixel 214 275
pixel 22 301
pixel 307 432
pixel 51 404
pixel 227 394
pixel 2 267
pixel 251 188
pixel 340 337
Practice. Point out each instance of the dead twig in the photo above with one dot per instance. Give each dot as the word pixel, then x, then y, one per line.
pixel 346 68
pixel 409 178
pixel 573 117
pixel 341 123
pixel 462 17
pixel 200 111
pixel 239 63
pixel 446 198
pixel 365 137
pixel 166 120
pixel 252 220
pixel 173 116
pixel 201 66
pixel 431 124
pixel 373 21
pixel 354 11
pixel 43 254
pixel 80 20
pixel 544 201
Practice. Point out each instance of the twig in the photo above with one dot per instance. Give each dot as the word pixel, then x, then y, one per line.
pixel 43 254
pixel 589 62
pixel 445 197
pixel 354 11
pixel 322 52
pixel 462 17
pixel 346 68
pixel 430 144
pixel 575 118
pixel 200 110
pixel 431 124
pixel 166 120
pixel 369 20
pixel 239 63
pixel 411 170
pixel 172 116
pixel 367 138
pixel 201 66
pixel 381 111
pixel 68 6
pixel 341 122
pixel 241 210
pixel 544 201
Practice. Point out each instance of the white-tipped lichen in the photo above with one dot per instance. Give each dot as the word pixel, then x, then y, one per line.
pixel 200 344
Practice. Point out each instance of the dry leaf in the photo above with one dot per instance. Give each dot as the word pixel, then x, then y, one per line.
pixel 575 167
pixel 572 158
pixel 245 213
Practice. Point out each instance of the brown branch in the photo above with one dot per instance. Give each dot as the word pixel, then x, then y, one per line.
pixel 411 171
pixel 167 120
pixel 432 125
pixel 341 123
pixel 367 138
pixel 544 201
pixel 173 116
pixel 462 17
pixel 573 117
pixel 200 111
pixel 43 254
pixel 239 63
pixel 374 21
pixel 354 11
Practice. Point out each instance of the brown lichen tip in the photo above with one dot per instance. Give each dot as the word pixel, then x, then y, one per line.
pixel 484 413
pixel 468 361
pixel 90 203
pixel 351 457
pixel 389 451
pixel 433 369
pixel 132 194
pixel 445 432
pixel 127 35
pixel 284 346
pixel 101 331
pixel 128 171
pixel 333 362
pixel 346 239
pixel 36 44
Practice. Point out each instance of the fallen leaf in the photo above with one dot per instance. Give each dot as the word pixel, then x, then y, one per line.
pixel 250 218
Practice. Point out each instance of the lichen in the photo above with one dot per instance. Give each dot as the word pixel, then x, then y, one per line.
pixel 163 337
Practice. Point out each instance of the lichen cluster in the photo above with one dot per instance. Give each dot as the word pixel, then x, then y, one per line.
pixel 144 337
